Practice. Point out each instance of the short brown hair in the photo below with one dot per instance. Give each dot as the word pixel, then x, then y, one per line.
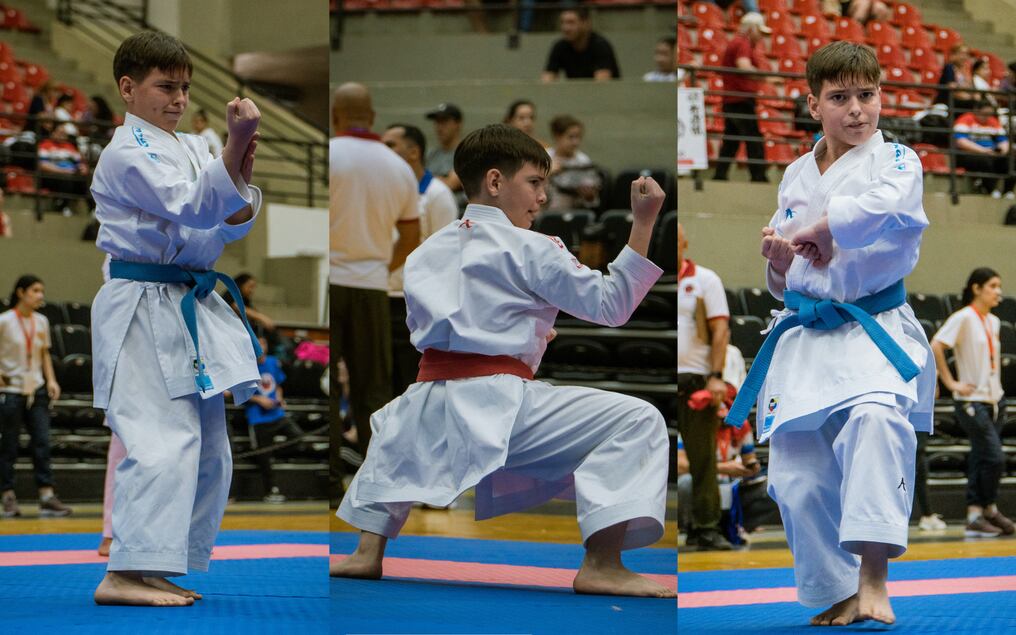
pixel 561 123
pixel 142 52
pixel 841 63
pixel 496 146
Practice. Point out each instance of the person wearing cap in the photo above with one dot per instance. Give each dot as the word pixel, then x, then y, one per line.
pixel 447 120
pixel 581 53
pixel 739 119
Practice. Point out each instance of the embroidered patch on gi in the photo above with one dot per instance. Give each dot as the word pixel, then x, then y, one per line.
pixel 790 213
pixel 139 136
pixel 767 423
pixel 153 157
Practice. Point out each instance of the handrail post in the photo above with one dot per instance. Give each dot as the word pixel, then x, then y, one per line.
pixel 954 195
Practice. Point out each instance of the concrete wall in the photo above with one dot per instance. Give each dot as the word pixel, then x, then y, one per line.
pixel 628 124
pixel 1000 13
pixel 723 222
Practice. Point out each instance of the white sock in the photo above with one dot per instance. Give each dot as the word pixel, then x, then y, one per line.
pixel 972 516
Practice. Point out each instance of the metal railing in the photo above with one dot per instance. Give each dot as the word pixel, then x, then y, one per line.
pixel 912 123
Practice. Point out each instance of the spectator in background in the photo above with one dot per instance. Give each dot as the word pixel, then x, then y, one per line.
pixel 100 119
pixel 581 53
pixel 573 182
pixel 984 147
pixel 63 171
pixel 665 59
pixel 739 106
pixel 973 333
pixel 703 334
pixel 1009 82
pixel 27 384
pixel 41 106
pixel 522 115
pixel 955 75
pixel 266 419
pixel 62 114
pixel 748 6
pixel 980 74
pixel 199 122
pixel 371 192
pixel 437 208
pixel 247 283
pixel 447 120
pixel 5 221
pixel 860 10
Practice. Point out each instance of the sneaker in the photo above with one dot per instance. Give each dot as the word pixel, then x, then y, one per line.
pixel 981 528
pixel 1009 196
pixel 933 522
pixel 10 506
pixel 53 508
pixel 1002 523
pixel 711 541
pixel 274 497
pixel 996 194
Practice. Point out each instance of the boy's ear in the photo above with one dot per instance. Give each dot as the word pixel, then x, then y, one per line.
pixel 813 107
pixel 492 181
pixel 126 86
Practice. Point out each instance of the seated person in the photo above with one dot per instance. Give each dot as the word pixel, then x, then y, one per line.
pixel 982 146
pixel 573 183
pixel 63 171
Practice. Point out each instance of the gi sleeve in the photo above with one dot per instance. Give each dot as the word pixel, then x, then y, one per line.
pixel 893 201
pixel 714 297
pixel 562 281
pixel 152 182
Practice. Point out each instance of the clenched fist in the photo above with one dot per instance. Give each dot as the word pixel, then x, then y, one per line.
pixel 646 199
pixel 242 119
pixel 777 250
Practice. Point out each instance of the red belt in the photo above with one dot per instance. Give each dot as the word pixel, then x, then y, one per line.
pixel 442 365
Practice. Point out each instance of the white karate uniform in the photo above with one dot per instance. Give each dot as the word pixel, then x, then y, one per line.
pixel 841 417
pixel 484 286
pixel 161 198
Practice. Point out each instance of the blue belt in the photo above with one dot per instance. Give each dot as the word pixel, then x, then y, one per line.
pixel 826 315
pixel 201 283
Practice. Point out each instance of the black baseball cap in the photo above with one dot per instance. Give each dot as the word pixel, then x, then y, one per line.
pixel 445 111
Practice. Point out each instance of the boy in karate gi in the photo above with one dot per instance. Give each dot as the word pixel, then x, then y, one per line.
pixel 851 375
pixel 482 295
pixel 165 346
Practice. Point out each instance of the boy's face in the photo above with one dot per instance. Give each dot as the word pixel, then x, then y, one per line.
pixel 521 196
pixel 160 98
pixel 848 113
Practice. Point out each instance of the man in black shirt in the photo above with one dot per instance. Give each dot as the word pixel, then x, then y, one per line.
pixel 580 53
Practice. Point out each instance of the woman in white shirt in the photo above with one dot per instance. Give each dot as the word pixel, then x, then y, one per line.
pixel 27 384
pixel 973 333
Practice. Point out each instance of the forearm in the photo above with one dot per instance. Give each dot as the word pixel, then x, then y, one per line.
pixel 404 247
pixel 47 367
pixel 718 344
pixel 640 237
pixel 241 217
pixel 941 366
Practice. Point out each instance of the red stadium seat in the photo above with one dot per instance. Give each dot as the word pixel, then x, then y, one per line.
pixel 814 26
pixel 714 120
pixel 890 55
pixel 779 152
pixel 711 39
pixel 713 91
pixel 945 39
pixel 772 5
pixel 933 160
pixel 815 43
pixel 784 46
pixel 684 40
pixel 792 65
pixel 923 59
pixel 997 66
pixel 780 22
pixel 15 92
pixel 16 20
pixel 796 88
pixel 9 72
pixel 905 14
pixel 915 36
pixel 770 98
pixel 708 14
pixel 6 53
pixel 773 123
pixel 35 75
pixel 849 29
pixel 804 7
pixel 712 58
pixel 18 181
pixel 882 33
pixel 912 100
pixel 898 74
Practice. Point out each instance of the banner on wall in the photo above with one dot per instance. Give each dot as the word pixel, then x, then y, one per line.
pixel 691 129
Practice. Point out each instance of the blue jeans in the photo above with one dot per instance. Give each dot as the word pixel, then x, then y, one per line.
pixel 13 409
pixel 986 462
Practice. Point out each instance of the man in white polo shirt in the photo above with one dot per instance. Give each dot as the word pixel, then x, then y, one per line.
pixel 371 192
pixel 437 209
pixel 702 334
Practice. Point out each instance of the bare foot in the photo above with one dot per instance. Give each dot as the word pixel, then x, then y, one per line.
pixel 872 593
pixel 165 585
pixel 839 614
pixel 617 580
pixel 126 588
pixel 356 565
pixel 104 547
pixel 365 562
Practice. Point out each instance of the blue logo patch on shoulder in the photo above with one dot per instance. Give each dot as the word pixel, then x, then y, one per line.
pixel 790 213
pixel 900 153
pixel 139 136
pixel 153 157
